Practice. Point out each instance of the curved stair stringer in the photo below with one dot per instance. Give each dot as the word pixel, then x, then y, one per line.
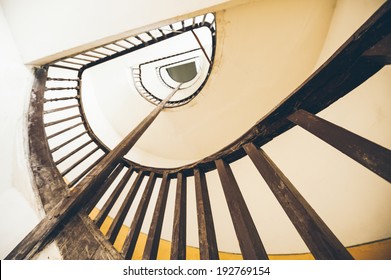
pixel 77 238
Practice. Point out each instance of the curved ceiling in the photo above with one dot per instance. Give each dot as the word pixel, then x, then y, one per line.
pixel 261 56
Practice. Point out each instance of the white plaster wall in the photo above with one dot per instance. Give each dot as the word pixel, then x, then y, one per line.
pixel 19 211
pixel 47 28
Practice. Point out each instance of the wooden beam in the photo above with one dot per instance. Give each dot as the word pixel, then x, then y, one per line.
pixel 249 241
pixel 178 244
pixel 206 230
pixel 381 52
pixel 371 155
pixel 135 227
pixel 155 230
pixel 317 236
pixel 85 188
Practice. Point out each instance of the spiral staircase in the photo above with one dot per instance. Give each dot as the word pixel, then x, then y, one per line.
pixel 80 179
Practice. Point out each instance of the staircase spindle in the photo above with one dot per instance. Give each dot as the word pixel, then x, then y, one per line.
pixel 106 185
pixel 319 239
pixel 178 245
pixel 206 230
pixel 138 219
pixel 371 155
pixel 123 211
pixel 155 230
pixel 249 241
pixel 102 215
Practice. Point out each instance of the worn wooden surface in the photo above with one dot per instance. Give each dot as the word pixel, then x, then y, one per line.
pixel 319 239
pixel 178 242
pixel 155 230
pixel 249 241
pixel 52 188
pixel 80 239
pixel 48 181
pixel 206 230
pixel 371 155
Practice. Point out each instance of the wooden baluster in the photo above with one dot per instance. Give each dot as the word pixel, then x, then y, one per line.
pixel 60 88
pixel 110 49
pixel 135 227
pixel 74 165
pixel 85 171
pixel 371 155
pixel 60 109
pixel 62 79
pixel 73 152
pixel 64 130
pixel 123 211
pixel 67 142
pixel 178 245
pixel 322 243
pixel 101 191
pixel 100 218
pixel 206 231
pixel 72 62
pixel 62 120
pixel 64 67
pixel 155 230
pixel 119 45
pixel 249 241
pixel 62 98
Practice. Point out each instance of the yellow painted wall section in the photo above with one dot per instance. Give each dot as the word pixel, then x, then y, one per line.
pixel 377 250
